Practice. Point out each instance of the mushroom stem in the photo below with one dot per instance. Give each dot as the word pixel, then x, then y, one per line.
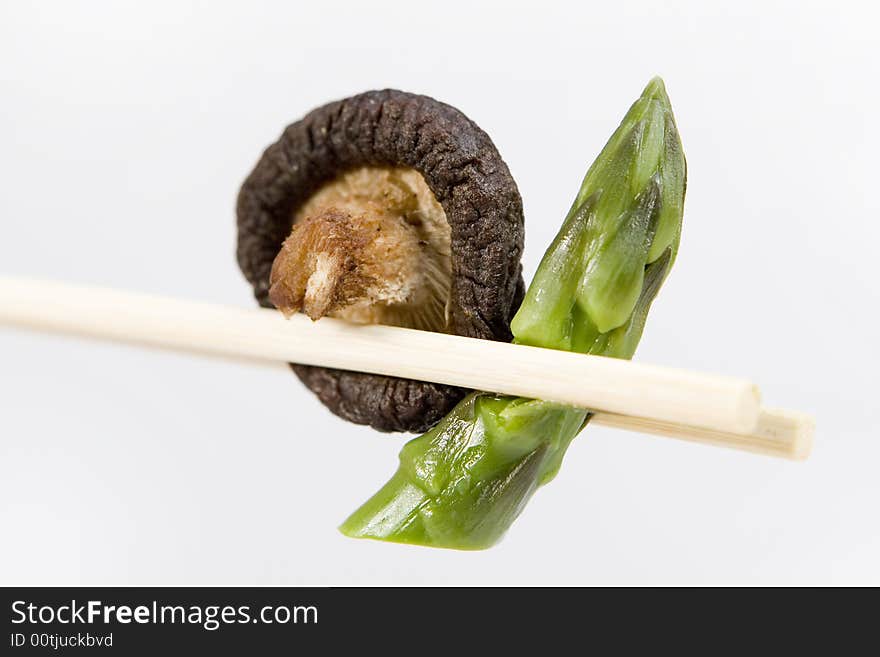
pixel 372 247
pixel 322 266
pixel 322 288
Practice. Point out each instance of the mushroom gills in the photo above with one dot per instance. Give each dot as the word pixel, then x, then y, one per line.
pixel 371 246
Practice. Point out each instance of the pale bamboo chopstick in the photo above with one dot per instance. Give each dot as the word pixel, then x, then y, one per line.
pixel 780 432
pixel 670 401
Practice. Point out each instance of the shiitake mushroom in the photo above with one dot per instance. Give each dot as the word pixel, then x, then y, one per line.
pixel 385 207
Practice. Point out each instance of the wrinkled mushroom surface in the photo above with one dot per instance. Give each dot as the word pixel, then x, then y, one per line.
pixel 385 207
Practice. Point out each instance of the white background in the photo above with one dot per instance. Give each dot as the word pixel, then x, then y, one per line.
pixel 125 131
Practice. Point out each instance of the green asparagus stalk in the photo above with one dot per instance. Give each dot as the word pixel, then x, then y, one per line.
pixel 464 482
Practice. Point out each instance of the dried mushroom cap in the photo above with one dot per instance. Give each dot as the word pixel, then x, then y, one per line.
pixel 385 207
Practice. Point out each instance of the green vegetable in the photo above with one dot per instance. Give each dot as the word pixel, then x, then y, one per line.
pixel 464 482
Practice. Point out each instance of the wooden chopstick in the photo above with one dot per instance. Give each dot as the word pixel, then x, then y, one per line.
pixel 635 395
pixel 780 432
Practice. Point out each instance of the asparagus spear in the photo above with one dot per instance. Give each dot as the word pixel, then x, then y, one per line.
pixel 464 482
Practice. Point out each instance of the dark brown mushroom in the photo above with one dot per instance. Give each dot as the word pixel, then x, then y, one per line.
pixel 392 208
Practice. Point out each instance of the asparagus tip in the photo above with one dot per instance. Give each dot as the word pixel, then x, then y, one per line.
pixel 656 90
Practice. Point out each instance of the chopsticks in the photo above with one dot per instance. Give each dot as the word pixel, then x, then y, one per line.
pixel 709 409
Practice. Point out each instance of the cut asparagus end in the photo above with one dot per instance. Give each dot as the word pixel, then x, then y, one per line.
pixel 461 485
